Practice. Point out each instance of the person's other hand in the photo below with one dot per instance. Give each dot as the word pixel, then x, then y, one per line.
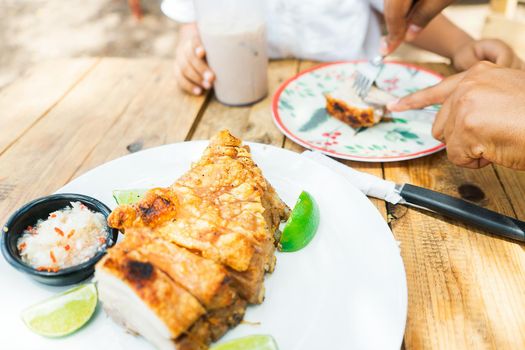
pixel 406 18
pixel 493 50
pixel 191 70
pixel 482 119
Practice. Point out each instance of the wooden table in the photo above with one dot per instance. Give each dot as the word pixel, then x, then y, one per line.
pixel 466 289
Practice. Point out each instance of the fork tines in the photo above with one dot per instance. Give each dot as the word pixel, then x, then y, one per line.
pixel 366 75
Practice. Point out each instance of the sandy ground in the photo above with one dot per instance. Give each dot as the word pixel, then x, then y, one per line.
pixel 36 30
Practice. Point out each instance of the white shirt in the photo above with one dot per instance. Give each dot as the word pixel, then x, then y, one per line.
pixel 323 30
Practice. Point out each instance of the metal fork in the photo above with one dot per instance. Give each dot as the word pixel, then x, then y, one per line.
pixel 366 75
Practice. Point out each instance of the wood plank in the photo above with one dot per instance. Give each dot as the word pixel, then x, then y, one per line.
pixel 253 123
pixel 465 287
pixel 29 98
pixel 514 184
pixel 160 114
pixel 53 149
pixel 372 168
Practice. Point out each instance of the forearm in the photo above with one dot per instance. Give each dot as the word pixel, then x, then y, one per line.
pixel 442 37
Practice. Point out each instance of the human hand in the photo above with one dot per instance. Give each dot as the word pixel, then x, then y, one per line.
pixel 493 50
pixel 191 70
pixel 482 118
pixel 406 18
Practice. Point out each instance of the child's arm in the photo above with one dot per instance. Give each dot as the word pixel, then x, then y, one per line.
pixel 191 70
pixel 443 37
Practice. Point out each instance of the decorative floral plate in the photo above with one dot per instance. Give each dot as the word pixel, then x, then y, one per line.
pixel 299 111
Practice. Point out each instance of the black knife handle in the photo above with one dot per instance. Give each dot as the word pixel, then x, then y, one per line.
pixel 464 211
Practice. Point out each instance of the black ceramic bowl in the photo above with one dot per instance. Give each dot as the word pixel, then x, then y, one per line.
pixel 40 208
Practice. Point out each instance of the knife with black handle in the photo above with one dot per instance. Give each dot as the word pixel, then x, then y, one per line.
pixel 464 211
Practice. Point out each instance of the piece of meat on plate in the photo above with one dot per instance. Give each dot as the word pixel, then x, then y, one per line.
pixel 136 285
pixel 205 279
pixel 142 298
pixel 223 208
pixel 345 105
pixel 198 250
pixel 212 326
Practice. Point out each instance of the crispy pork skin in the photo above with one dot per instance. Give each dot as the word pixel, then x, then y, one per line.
pixel 133 291
pixel 351 114
pixel 205 279
pixel 206 242
pixel 345 104
pixel 223 208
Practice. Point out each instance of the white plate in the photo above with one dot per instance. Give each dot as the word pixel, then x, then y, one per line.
pixel 346 290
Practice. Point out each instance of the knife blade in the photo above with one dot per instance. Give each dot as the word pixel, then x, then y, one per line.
pixel 423 198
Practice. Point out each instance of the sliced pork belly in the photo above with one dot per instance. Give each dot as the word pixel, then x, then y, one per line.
pixel 223 208
pixel 249 284
pixel 187 220
pixel 142 298
pixel 205 242
pixel 205 279
pixel 347 106
pixel 212 327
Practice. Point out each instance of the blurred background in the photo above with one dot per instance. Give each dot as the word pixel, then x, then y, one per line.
pixel 35 30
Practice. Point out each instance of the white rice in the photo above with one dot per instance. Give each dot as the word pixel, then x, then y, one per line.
pixel 68 237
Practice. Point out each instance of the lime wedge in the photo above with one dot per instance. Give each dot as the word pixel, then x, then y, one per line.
pixel 62 314
pixel 128 196
pixel 252 342
pixel 302 225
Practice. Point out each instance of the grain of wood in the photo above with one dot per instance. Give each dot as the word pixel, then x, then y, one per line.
pixel 53 149
pixel 252 123
pixel 29 98
pixel 160 114
pixel 514 184
pixel 465 287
